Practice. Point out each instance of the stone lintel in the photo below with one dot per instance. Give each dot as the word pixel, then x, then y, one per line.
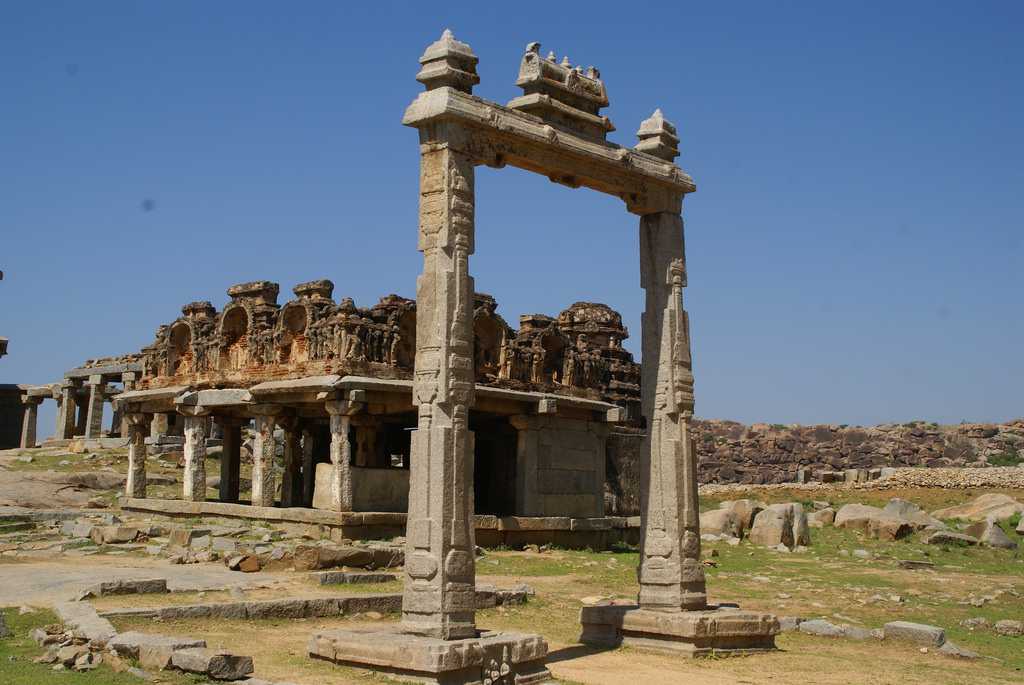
pixel 31 399
pixel 215 398
pixel 490 657
pixel 719 632
pixel 647 184
pixel 293 385
pixel 43 392
pixel 114 370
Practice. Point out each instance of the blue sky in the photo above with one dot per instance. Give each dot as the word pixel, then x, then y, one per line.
pixel 855 246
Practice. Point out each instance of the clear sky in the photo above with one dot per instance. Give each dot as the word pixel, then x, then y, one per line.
pixel 855 246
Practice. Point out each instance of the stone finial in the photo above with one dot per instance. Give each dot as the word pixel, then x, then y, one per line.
pixel 658 137
pixel 448 62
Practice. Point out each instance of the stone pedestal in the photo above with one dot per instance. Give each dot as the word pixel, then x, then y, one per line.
pixel 513 658
pixel 713 631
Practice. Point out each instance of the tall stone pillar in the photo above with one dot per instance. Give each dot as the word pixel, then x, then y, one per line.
pixel 68 408
pixel 440 571
pixel 341 456
pixel 195 458
pixel 308 466
pixel 120 422
pixel 291 480
pixel 137 428
pixel 263 450
pixel 230 458
pixel 29 421
pixel 94 421
pixel 671 574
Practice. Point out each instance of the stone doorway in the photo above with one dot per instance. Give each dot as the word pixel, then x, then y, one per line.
pixel 494 465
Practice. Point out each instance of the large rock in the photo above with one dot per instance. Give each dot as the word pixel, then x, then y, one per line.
pixel 992 505
pixel 316 557
pixel 918 633
pixel 720 522
pixel 773 527
pixel 912 514
pixel 130 643
pixel 821 518
pixel 821 628
pixel 989 533
pixel 184 537
pixel 1020 527
pixel 1010 627
pixel 872 521
pixel 745 510
pixel 948 537
pixel 217 665
pixel 114 535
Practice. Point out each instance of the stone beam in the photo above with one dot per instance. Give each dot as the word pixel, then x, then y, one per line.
pixel 497 135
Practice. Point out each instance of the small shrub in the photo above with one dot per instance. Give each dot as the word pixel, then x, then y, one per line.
pixel 1008 457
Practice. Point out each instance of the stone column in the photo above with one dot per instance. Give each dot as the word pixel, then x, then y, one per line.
pixel 158 426
pixel 195 458
pixel 291 480
pixel 120 421
pixel 29 421
pixel 68 406
pixel 263 450
pixel 439 596
pixel 527 498
pixel 308 467
pixel 230 458
pixel 671 575
pixel 94 421
pixel 137 427
pixel 341 456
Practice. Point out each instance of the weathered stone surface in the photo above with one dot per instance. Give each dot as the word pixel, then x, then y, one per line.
pixel 948 537
pixel 956 651
pixel 918 633
pixel 126 587
pixel 114 535
pixel 745 511
pixel 821 628
pixel 183 537
pixel 82 616
pixel 720 522
pixel 1010 627
pixel 129 643
pixel 821 518
pixel 216 665
pixel 990 534
pixel 781 524
pixel 988 506
pixel 349 577
pixel 314 557
pixel 912 514
pixel 4 630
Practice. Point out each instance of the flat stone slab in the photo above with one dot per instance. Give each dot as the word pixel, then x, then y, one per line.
pixel 491 657
pixel 715 631
pixel 128 644
pixel 143 586
pixel 351 577
pixel 918 633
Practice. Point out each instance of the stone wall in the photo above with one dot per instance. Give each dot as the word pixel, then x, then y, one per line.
pixel 730 452
pixel 561 465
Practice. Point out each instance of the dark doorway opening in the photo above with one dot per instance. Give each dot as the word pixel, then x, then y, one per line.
pixel 494 466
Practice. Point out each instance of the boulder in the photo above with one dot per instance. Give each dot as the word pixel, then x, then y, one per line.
pixel 745 511
pixel 1020 527
pixel 821 628
pixel 183 537
pixel 821 518
pixel 773 526
pixel 918 633
pixel 801 528
pixel 872 521
pixel 216 665
pixel 954 650
pixel 912 514
pixel 113 535
pixel 989 533
pixel 992 505
pixel 948 537
pixel 720 522
pixel 316 557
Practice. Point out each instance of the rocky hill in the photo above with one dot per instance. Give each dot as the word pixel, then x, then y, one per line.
pixel 731 452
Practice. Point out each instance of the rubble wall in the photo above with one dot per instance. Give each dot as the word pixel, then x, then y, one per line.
pixel 730 452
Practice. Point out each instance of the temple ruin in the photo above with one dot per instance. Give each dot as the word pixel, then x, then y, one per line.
pixel 435 416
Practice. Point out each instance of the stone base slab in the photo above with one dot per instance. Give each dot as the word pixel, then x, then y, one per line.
pixel 715 631
pixel 512 658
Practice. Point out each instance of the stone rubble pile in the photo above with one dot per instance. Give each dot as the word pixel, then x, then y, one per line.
pixel 902 631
